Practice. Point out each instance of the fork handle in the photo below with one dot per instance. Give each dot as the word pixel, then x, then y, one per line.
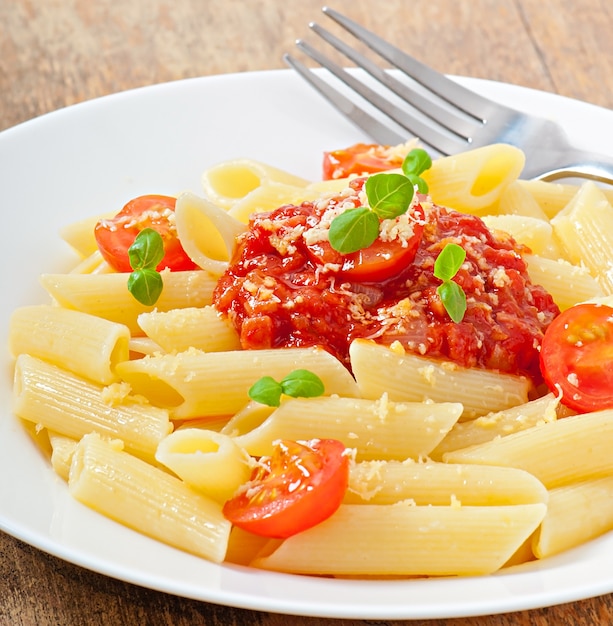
pixel 571 164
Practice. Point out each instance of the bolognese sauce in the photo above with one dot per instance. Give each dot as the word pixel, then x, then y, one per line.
pixel 286 287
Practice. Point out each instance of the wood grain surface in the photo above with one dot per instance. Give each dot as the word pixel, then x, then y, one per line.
pixel 55 53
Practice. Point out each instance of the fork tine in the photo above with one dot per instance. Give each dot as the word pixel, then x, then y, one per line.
pixel 441 141
pixel 448 117
pixel 452 92
pixel 381 133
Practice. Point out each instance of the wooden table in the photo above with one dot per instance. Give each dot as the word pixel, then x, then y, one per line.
pixel 58 52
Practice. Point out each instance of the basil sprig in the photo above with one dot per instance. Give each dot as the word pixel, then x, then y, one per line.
pixel 389 195
pixel 297 384
pixel 145 253
pixel 414 165
pixel 446 266
pixel 353 230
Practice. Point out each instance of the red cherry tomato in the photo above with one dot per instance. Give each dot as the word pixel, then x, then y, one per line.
pixel 361 158
pixel 299 486
pixel 115 236
pixel 577 357
pixel 378 262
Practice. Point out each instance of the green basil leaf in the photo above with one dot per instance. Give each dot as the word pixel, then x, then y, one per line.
pixel 267 391
pixel 147 250
pixel 419 182
pixel 416 162
pixel 389 194
pixel 353 230
pixel 454 300
pixel 302 384
pixel 449 261
pixel 145 285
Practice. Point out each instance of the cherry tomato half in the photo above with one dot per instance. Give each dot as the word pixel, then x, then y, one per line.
pixel 378 262
pixel 361 158
pixel 577 357
pixel 115 236
pixel 297 487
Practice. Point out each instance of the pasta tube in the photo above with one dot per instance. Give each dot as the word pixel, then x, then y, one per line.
pixel 268 197
pixel 431 483
pixel 378 370
pixel 585 229
pixel 80 234
pixel 198 327
pixel 210 462
pixel 376 429
pixel 473 181
pixel 207 232
pixel 557 453
pixel 85 344
pixel 568 284
pixel 535 233
pixel 229 181
pixel 575 514
pixel 146 499
pixel 500 424
pixel 553 197
pixel 72 406
pixel 244 546
pixel 195 384
pixel 517 201
pixel 401 539
pixel 107 295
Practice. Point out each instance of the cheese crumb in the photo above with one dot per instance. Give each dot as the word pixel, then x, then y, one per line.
pixel 115 393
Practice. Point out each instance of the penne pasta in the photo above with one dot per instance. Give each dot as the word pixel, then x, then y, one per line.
pixel 243 547
pixel 250 417
pixel 568 284
pixel 92 264
pixel 320 188
pixel 585 230
pixel 500 424
pixel 148 412
pixel 107 296
pixel 440 484
pixel 198 327
pixel 538 450
pixel 517 201
pixel 408 540
pixel 146 499
pixel 268 197
pixel 553 197
pixel 375 429
pixel 80 235
pixel 229 181
pixel 473 181
pixel 85 344
pixel 210 462
pixel 576 513
pixel 143 346
pixel 207 232
pixel 72 406
pixel 39 435
pixel 378 370
pixel 533 232
pixel 194 384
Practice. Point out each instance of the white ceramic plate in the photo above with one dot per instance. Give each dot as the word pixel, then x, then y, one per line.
pixel 93 157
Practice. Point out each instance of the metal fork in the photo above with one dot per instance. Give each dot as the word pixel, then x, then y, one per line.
pixel 444 115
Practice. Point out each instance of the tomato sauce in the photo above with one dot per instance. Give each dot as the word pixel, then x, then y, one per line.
pixel 277 295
